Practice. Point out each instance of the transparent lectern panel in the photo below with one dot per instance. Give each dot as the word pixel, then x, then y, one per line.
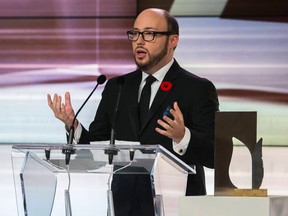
pixel 38 183
pixel 169 179
pixel 91 173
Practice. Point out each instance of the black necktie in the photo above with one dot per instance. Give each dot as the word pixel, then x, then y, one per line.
pixel 145 98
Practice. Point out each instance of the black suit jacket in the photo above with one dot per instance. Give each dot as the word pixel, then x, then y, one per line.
pixel 197 99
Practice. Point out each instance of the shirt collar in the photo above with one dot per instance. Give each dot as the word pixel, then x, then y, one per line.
pixel 160 74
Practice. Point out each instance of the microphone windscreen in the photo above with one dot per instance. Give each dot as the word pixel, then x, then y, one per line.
pixel 120 80
pixel 101 79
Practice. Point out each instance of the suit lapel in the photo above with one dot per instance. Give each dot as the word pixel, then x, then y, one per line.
pixel 161 96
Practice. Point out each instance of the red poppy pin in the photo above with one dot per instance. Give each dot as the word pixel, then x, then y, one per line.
pixel 166 86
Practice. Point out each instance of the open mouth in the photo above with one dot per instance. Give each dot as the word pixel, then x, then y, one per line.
pixel 141 53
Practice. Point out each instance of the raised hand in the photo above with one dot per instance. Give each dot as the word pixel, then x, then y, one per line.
pixel 62 111
pixel 172 128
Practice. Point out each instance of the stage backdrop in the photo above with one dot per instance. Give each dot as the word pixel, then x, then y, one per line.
pixel 57 46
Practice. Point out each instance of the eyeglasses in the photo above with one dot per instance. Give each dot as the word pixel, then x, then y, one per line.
pixel 146 35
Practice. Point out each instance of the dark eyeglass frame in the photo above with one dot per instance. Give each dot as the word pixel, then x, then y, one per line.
pixel 132 33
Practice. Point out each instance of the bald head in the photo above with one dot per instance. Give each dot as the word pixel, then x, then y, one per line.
pixel 153 17
pixel 157 11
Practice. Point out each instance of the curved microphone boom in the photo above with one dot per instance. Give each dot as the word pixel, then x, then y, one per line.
pixel 120 82
pixel 68 149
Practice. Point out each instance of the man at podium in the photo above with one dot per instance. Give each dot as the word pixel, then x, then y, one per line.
pixel 159 103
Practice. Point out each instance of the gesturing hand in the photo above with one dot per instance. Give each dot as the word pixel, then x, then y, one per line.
pixel 62 111
pixel 172 128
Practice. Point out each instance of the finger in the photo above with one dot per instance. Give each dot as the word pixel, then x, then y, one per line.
pixel 54 101
pixel 167 130
pixel 57 104
pixel 176 107
pixel 177 110
pixel 67 99
pixel 62 109
pixel 177 114
pixel 168 120
pixel 163 124
pixel 163 132
pixel 49 100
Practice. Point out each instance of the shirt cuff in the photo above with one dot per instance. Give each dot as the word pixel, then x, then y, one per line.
pixel 77 134
pixel 181 147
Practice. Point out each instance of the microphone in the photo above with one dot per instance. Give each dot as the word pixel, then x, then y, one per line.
pixel 111 151
pixel 68 149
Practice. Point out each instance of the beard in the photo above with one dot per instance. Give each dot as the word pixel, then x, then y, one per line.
pixel 153 59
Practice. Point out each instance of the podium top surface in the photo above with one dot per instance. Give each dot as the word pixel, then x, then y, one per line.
pixel 89 156
pixel 101 146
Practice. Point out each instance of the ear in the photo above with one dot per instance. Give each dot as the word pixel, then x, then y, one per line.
pixel 174 41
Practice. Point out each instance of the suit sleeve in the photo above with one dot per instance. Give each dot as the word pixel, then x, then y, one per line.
pixel 200 150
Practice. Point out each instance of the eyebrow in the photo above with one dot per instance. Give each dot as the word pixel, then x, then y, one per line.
pixel 146 29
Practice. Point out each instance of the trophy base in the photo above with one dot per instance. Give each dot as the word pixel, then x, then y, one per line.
pixel 241 192
pixel 251 192
pixel 233 206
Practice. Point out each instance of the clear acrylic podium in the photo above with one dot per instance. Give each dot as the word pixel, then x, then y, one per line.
pixel 45 185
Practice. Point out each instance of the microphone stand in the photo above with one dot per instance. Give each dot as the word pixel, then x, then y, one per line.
pixel 68 149
pixel 112 151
